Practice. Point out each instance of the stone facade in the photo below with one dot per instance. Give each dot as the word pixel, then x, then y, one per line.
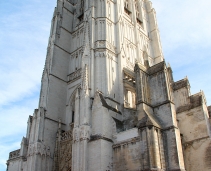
pixel 108 101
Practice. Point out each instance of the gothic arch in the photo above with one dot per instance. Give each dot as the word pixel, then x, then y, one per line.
pixel 72 96
pixel 71 107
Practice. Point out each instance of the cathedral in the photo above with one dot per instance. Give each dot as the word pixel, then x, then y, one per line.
pixel 108 100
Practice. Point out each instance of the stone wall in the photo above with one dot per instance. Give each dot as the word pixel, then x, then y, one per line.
pixel 209 110
pixel 127 155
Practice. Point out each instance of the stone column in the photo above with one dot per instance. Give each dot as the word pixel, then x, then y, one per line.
pixel 75 150
pixel 77 109
pixel 84 137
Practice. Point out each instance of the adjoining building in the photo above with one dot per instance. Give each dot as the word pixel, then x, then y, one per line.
pixel 108 101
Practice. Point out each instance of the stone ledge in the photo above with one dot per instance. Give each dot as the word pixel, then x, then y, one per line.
pixel 152 70
pixel 209 110
pixel 190 143
pixel 104 103
pixel 195 101
pixel 126 142
pixel 180 84
pixel 156 68
pixel 99 137
pixel 14 154
pixel 129 72
pixel 155 106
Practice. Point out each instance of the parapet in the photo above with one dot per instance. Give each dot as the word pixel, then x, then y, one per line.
pixel 196 100
pixel 156 68
pixel 180 84
pixel 14 154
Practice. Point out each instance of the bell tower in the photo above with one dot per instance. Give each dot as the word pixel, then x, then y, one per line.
pixel 108 101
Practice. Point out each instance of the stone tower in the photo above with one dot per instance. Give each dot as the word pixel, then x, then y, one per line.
pixel 108 101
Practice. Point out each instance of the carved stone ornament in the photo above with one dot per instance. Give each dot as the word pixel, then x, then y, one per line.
pixel 104 44
pixel 76 135
pixel 14 154
pixel 66 136
pixel 39 149
pixel 65 156
pixel 75 75
pixel 84 134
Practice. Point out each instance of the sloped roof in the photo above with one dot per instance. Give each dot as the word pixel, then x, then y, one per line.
pixel 148 120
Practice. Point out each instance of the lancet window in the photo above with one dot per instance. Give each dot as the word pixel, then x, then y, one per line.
pixel 81 16
pixel 138 12
pixel 73 110
pixel 129 99
pixel 127 7
pixel 129 91
pixel 127 4
pixel 137 9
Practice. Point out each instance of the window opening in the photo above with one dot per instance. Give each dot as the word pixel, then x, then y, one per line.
pixel 127 7
pixel 73 115
pixel 138 15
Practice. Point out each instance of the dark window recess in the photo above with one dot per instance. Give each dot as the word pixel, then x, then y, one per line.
pixel 73 113
pixel 81 17
pixel 139 21
pixel 127 11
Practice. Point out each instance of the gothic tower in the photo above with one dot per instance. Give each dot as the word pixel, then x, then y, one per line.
pixel 108 101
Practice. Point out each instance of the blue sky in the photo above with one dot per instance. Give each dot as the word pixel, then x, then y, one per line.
pixel 185 28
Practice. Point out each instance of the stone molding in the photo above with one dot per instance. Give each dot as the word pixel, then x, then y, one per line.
pixel 190 143
pixel 126 142
pixel 81 134
pixel 180 84
pixel 84 135
pixel 38 148
pixel 14 154
pixel 102 44
pixel 195 101
pixel 104 104
pixel 98 137
pixel 77 52
pixel 77 32
pixel 151 70
pixel 74 76
pixel 66 136
pixel 157 68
